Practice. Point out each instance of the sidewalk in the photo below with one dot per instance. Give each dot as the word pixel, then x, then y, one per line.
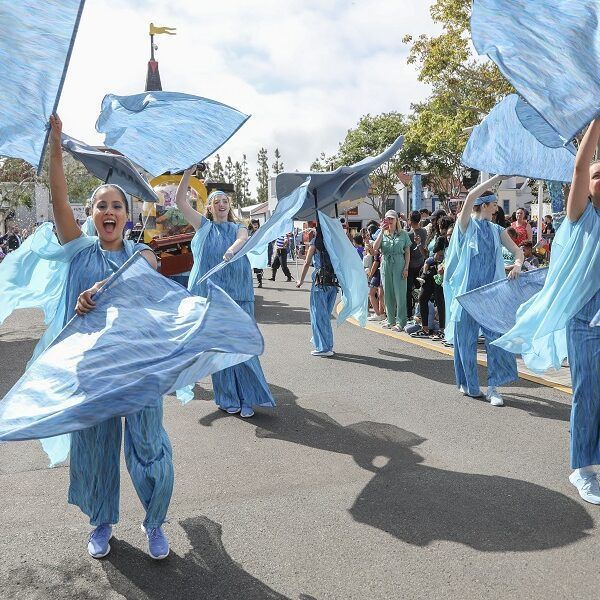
pixel 560 380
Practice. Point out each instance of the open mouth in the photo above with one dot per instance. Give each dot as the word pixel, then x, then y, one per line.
pixel 109 225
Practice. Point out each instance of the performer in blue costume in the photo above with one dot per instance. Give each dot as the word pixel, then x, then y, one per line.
pixel 218 237
pixel 322 296
pixel 473 259
pixel 556 322
pixel 95 452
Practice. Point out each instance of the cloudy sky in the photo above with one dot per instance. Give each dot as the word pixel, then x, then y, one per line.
pixel 306 70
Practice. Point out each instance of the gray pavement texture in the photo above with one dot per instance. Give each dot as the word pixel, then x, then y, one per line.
pixel 373 478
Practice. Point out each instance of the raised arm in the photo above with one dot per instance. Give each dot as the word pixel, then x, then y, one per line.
pixel 66 225
pixel 192 216
pixel 467 209
pixel 580 188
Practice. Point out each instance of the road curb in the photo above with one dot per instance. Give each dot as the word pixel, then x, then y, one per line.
pixel 404 337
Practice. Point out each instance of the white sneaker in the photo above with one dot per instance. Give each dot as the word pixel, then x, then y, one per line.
pixel 375 318
pixel 396 328
pixel 325 353
pixel 385 325
pixel 587 486
pixel 494 396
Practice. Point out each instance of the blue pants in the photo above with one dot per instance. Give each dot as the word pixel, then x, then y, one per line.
pixel 243 384
pixel 583 346
pixel 502 365
pixel 95 467
pixel 322 303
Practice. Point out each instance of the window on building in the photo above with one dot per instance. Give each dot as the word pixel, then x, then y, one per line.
pixel 506 206
pixel 390 203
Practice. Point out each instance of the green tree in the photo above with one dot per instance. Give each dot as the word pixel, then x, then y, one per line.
pixel 277 165
pixel 373 135
pixel 217 172
pixel 464 89
pixel 238 185
pixel 323 163
pixel 262 176
pixel 245 182
pixel 229 170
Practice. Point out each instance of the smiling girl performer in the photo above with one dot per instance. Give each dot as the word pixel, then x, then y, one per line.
pixel 474 259
pixel 95 452
pixel 556 322
pixel 218 237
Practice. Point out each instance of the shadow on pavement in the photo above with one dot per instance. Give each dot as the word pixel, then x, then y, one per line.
pixel 420 504
pixel 206 571
pixel 269 312
pixel 443 371
pixel 16 353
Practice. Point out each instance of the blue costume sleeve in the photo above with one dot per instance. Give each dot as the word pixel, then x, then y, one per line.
pixel 166 131
pixel 348 269
pixel 462 247
pixel 88 228
pixel 540 330
pixel 164 340
pixel 501 144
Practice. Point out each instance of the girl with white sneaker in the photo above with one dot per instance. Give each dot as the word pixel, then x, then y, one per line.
pixel 219 237
pixel 556 322
pixel 474 259
pixel 323 294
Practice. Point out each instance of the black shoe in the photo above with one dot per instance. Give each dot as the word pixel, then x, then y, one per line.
pixel 260 284
pixel 289 279
pixel 271 278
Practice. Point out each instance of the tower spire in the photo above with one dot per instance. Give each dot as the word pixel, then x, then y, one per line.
pixel 153 82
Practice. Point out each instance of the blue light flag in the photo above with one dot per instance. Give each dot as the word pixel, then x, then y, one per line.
pixel 348 268
pixel 125 355
pixel 110 168
pixel 495 305
pixel 548 50
pixel 36 40
pixel 345 183
pixel 166 131
pixel 501 144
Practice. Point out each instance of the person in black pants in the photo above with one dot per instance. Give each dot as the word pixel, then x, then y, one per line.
pixel 280 260
pixel 252 229
pixel 418 253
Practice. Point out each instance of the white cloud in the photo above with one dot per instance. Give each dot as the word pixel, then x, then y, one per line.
pixel 306 70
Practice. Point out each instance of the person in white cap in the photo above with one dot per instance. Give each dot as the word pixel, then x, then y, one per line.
pixel 395 244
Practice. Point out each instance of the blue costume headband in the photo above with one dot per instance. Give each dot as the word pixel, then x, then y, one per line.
pixel 485 200
pixel 216 193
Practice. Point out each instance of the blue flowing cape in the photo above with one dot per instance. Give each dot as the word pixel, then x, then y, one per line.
pixel 495 305
pixel 278 224
pixel 166 131
pixel 457 268
pixel 539 334
pixel 548 50
pixel 146 337
pixel 36 39
pixel 349 270
pixel 502 144
pixel 345 183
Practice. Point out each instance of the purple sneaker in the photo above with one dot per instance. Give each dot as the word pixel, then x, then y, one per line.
pixel 98 545
pixel 158 545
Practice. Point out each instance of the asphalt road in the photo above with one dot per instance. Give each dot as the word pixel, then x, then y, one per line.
pixel 373 478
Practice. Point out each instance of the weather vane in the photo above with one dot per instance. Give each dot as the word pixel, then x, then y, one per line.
pixel 153 82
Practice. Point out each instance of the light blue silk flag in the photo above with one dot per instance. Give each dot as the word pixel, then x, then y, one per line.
pixel 548 50
pixel 417 191
pixel 596 320
pixel 345 183
pixel 166 131
pixel 278 224
pixel 495 305
pixel 125 355
pixel 36 39
pixel 349 270
pixel 539 334
pixel 502 145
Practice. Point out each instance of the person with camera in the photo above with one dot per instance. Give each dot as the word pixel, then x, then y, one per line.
pixel 394 244
pixel 323 293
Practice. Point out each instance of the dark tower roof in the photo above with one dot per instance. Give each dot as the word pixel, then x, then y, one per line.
pixel 153 83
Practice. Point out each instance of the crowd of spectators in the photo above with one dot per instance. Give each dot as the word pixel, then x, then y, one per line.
pixel 12 240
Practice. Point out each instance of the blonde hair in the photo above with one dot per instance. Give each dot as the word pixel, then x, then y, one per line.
pixel 230 216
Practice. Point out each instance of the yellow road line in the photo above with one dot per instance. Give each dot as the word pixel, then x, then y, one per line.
pixel 404 337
